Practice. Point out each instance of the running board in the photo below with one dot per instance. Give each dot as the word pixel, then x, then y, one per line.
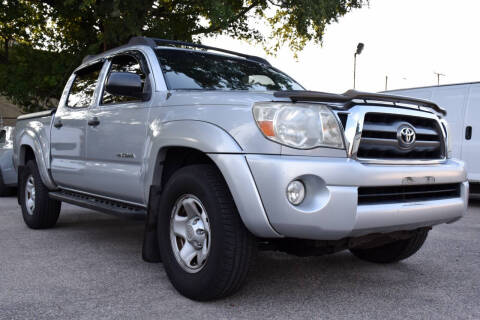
pixel 112 207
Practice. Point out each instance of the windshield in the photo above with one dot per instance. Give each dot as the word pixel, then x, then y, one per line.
pixel 198 70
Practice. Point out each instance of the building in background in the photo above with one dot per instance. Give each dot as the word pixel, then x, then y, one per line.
pixel 8 112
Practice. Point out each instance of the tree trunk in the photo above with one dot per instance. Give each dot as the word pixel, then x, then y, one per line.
pixel 5 57
pixel 7 42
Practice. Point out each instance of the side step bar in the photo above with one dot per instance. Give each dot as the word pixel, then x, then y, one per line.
pixel 100 204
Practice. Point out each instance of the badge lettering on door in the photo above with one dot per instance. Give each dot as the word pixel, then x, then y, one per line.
pixel 418 180
pixel 126 155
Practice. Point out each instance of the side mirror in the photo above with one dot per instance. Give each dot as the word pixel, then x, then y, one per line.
pixel 125 84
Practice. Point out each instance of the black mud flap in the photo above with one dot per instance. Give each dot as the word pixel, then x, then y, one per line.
pixel 20 171
pixel 150 250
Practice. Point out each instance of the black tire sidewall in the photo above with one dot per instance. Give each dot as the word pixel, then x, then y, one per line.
pixel 46 210
pixel 29 219
pixel 27 171
pixel 192 285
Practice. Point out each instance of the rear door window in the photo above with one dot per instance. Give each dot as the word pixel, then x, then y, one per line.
pixel 83 87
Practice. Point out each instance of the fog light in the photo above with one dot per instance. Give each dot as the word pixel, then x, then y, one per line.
pixel 295 192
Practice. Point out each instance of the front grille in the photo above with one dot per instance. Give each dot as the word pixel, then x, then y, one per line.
pixel 379 138
pixel 407 193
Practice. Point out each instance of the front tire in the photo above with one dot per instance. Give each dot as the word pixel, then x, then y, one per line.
pixel 205 248
pixel 394 251
pixel 38 210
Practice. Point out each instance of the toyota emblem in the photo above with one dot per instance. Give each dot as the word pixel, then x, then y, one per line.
pixel 406 136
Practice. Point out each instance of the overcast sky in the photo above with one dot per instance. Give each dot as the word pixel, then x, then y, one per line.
pixel 408 40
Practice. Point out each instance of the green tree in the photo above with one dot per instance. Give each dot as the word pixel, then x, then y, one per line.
pixel 18 19
pixel 60 32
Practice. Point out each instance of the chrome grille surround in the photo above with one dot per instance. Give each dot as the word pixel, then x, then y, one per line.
pixel 354 128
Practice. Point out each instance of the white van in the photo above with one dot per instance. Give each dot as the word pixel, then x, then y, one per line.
pixel 462 102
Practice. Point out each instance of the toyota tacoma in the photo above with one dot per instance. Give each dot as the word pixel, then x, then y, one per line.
pixel 222 154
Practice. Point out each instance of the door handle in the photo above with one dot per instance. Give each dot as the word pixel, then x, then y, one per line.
pixel 58 123
pixel 468 132
pixel 93 122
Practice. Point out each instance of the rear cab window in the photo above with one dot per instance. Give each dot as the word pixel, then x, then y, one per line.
pixel 83 87
pixel 196 70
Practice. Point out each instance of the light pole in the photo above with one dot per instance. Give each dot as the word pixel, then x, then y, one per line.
pixel 359 50
pixel 438 77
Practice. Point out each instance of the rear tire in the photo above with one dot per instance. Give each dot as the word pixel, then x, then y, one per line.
pixel 394 251
pixel 209 230
pixel 38 210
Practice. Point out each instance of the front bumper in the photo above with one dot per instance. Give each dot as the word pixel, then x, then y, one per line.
pixel 330 210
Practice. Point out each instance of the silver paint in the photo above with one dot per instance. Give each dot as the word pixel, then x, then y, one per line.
pixel 35 134
pixel 330 209
pixel 241 183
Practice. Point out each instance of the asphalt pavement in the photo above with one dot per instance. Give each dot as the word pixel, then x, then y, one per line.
pixel 89 267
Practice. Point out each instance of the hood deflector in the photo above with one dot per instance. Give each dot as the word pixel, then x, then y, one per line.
pixel 350 95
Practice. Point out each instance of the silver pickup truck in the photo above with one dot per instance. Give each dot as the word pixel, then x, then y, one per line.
pixel 223 154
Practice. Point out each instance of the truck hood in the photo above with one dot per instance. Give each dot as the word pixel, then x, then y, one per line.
pixel 247 98
pixel 220 97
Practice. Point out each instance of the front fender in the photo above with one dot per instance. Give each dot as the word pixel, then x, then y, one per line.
pixel 199 135
pixel 224 151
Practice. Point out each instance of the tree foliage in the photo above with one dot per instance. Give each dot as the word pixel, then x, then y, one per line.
pixel 43 40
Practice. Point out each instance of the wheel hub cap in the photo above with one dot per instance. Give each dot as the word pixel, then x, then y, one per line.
pixel 190 233
pixel 196 233
pixel 30 195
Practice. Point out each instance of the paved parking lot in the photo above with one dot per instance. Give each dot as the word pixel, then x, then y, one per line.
pixel 90 267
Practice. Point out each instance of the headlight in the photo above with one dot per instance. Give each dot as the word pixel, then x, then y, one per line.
pixel 449 138
pixel 298 125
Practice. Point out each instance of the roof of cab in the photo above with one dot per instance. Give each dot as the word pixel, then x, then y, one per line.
pixel 155 42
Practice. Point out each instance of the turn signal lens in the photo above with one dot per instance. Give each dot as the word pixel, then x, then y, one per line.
pixel 267 128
